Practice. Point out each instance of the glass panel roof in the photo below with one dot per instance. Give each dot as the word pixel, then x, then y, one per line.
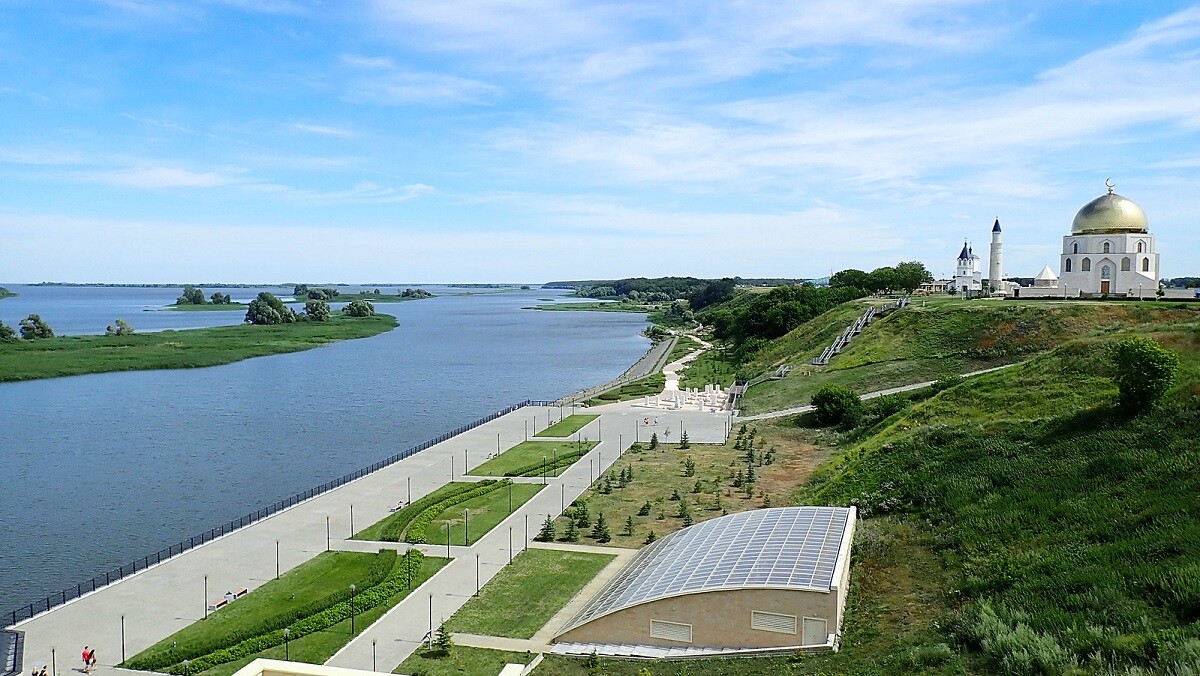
pixel 781 547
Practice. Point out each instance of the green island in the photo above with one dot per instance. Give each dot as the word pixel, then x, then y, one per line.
pixel 303 292
pixel 209 307
pixel 191 348
pixel 5 293
pixel 306 614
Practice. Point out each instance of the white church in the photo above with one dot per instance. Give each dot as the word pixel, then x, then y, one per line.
pixel 1110 251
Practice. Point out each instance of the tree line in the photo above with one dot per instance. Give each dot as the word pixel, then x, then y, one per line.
pixel 195 296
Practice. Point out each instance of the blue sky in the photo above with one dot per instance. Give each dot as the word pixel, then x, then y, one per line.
pixel 530 140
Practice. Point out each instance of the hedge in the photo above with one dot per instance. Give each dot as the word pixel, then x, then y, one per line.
pixel 383 564
pixel 416 532
pixel 401 578
pixel 394 529
pixel 536 469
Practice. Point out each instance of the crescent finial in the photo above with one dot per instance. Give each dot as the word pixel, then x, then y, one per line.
pixel 1108 182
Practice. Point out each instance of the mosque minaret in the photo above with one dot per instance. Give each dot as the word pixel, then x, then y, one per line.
pixel 996 261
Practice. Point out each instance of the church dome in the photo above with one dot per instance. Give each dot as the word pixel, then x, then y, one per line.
pixel 1109 213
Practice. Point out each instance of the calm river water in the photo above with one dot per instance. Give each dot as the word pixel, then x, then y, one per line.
pixel 98 470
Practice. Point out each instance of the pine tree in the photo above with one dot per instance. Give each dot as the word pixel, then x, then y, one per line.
pixel 547 532
pixel 582 518
pixel 443 645
pixel 767 500
pixel 651 537
pixel 697 488
pixel 654 441
pixel 684 442
pixel 683 509
pixel 689 466
pixel 645 510
pixel 739 479
pixel 687 519
pixel 751 477
pixel 675 495
pixel 600 530
pixel 606 486
pixel 572 534
pixel 628 526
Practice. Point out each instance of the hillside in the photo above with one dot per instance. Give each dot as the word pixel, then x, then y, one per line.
pixel 932 339
pixel 1065 535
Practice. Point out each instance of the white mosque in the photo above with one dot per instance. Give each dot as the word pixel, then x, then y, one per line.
pixel 1110 251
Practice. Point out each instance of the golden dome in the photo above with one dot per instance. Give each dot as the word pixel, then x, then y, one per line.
pixel 1109 213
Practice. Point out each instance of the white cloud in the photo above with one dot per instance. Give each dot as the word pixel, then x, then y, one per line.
pixel 157 177
pixel 321 130
pixel 366 192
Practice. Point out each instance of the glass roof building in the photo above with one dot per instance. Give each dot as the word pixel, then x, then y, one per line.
pixel 763 578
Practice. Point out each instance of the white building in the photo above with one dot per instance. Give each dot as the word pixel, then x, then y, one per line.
pixel 968 277
pixel 996 261
pixel 1046 279
pixel 1110 250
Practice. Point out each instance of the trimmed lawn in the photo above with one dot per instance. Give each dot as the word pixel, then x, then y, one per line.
pixel 485 512
pixel 462 660
pixel 708 368
pixel 529 453
pixel 319 646
pixel 648 386
pixel 567 426
pixel 329 572
pixel 375 531
pixel 527 593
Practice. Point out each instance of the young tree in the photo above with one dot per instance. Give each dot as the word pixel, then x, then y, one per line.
pixel 582 518
pixel 629 526
pixel 698 487
pixel 837 405
pixel 600 530
pixel 443 645
pixel 684 442
pixel 689 466
pixel 317 310
pixel 572 534
pixel 683 509
pixel 645 509
pixel 34 327
pixel 1144 371
pixel 7 334
pixel 546 534
pixel 650 538
pixel 654 441
pixel 191 296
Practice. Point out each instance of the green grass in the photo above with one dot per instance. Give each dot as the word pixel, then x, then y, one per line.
pixel 485 512
pixel 1069 531
pixel 519 600
pixel 935 338
pixel 375 530
pixel 648 386
pixel 318 647
pixel 709 368
pixel 568 426
pixel 209 307
pixel 329 572
pixel 462 660
pixel 529 453
pixel 77 355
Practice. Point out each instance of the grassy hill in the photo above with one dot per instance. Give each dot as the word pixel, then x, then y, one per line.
pixel 1065 536
pixel 933 339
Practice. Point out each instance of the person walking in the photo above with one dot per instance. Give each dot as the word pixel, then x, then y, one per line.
pixel 92 661
pixel 87 658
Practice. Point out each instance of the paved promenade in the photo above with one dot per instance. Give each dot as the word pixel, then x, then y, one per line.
pixel 169 596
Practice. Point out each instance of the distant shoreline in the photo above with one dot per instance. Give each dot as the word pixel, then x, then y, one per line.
pixel 5 293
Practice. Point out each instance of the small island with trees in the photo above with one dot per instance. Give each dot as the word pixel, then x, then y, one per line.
pixel 376 295
pixel 193 298
pixel 5 293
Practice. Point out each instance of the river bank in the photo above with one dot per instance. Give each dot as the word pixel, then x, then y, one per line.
pixel 192 348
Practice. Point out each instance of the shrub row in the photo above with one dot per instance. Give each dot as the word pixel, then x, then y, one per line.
pixel 535 469
pixel 416 532
pixel 383 564
pixel 402 577
pixel 394 529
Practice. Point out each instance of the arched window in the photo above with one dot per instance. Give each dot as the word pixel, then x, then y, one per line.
pixel 1068 268
pixel 1105 272
pixel 1141 247
pixel 1124 265
pixel 1086 266
pixel 1074 247
pixel 1145 265
pixel 1107 247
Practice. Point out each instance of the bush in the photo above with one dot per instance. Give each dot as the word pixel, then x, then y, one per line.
pixel 930 655
pixel 837 405
pixel 34 327
pixel 359 308
pixel 267 309
pixel 1144 371
pixel 416 531
pixel 393 530
pixel 317 310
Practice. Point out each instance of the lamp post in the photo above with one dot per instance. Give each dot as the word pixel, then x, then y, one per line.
pixel 452 468
pixel 277 559
pixel 497 444
pixel 477 574
pixel 591 471
pixel 526 531
pixel 53 661
pixel 562 498
pixel 430 622
pixel 543 470
pixel 409 501
pixel 372 654
pixel 351 520
pixel 510 544
pixel 185 668
pixel 510 497
pixel 447 539
pixel 326 532
pixel 287 635
pixel 122 639
pixel 466 463
pixel 353 589
pixel 466 528
pixel 206 597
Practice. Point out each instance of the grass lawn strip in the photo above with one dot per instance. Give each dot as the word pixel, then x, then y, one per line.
pixel 461 660
pixel 528 455
pixel 311 586
pixel 527 593
pixel 319 646
pixel 567 426
pixel 486 511
pixel 642 387
pixel 397 521
pixel 418 530
pixel 192 348
pixel 404 576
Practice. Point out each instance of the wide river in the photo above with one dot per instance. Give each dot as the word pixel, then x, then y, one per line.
pixel 99 470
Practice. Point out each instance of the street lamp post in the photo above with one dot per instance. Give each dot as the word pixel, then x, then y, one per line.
pixel 351 520
pixel 277 559
pixel 466 528
pixel 562 498
pixel 431 621
pixel 477 574
pixel 372 654
pixel 409 501
pixel 185 668
pixel 510 544
pixel 326 532
pixel 543 470
pixel 122 639
pixel 53 661
pixel 353 588
pixel 447 539
pixel 287 651
pixel 206 597
pixel 510 497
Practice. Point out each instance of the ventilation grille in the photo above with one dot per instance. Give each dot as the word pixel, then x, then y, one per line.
pixel 671 631
pixel 783 624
